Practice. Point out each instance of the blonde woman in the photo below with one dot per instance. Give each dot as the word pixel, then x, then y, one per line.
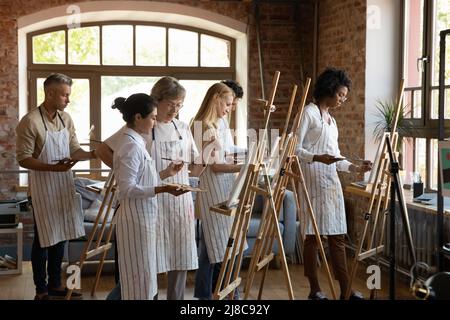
pixel 217 180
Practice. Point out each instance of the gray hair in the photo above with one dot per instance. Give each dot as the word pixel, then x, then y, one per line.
pixel 57 78
pixel 167 88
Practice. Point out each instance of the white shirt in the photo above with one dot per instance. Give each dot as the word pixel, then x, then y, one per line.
pixel 114 141
pixel 165 132
pixel 309 132
pixel 129 160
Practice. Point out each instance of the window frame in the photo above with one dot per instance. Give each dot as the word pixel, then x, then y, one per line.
pixel 95 72
pixel 423 127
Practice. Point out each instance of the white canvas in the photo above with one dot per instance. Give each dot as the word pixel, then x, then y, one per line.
pixel 233 199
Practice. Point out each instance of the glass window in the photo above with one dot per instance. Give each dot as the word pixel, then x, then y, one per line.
pixel 434 163
pixel 50 48
pixel 183 48
pixel 150 46
pixel 215 52
pixel 114 87
pixel 84 46
pixel 117 45
pixel 441 22
pixel 195 92
pixel 421 157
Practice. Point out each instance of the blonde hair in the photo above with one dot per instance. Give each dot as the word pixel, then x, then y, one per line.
pixel 167 88
pixel 208 109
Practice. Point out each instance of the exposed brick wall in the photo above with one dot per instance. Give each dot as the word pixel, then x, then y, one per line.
pixel 286 36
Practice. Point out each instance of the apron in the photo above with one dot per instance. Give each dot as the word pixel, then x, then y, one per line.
pixel 175 233
pixel 324 187
pixel 216 227
pixel 136 241
pixel 56 209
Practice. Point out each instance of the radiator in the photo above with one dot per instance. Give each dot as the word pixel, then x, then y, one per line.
pixel 424 236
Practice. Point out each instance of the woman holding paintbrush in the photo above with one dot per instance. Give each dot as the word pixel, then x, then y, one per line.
pixel 320 157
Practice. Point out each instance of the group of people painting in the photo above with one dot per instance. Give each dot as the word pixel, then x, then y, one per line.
pixel 155 220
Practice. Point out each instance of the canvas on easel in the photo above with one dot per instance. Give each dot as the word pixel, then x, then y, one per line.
pixel 233 199
pixel 372 244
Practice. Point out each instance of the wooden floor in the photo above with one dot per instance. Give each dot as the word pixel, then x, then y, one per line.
pixel 21 287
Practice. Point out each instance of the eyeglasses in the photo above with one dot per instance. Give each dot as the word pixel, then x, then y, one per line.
pixel 172 105
pixel 343 98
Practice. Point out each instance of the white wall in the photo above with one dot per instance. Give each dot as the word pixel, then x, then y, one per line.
pixel 382 61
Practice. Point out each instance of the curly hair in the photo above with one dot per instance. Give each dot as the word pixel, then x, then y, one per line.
pixel 329 82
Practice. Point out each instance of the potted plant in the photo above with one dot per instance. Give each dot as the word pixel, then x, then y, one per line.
pixel 385 116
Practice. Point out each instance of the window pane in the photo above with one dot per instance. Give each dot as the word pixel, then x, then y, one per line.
pixel 435 104
pixel 183 48
pixel 413 41
pixel 78 108
pixel 407 156
pixel 417 108
pixel 434 163
pixel 84 45
pixel 421 156
pixel 150 46
pixel 117 45
pixel 195 92
pixel 441 22
pixel 114 87
pixel 407 101
pixel 50 48
pixel 215 52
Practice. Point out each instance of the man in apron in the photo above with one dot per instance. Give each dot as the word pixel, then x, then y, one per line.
pixel 48 146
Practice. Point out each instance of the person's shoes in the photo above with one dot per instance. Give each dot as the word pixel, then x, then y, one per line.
pixel 61 294
pixel 41 296
pixel 319 295
pixel 354 296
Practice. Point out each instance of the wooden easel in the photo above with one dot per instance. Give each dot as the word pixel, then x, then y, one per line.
pixel 291 173
pixel 92 249
pixel 380 190
pixel 229 278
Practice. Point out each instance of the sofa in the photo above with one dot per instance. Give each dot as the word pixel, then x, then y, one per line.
pixel 287 223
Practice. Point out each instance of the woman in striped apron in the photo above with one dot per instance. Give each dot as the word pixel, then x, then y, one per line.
pixel 137 182
pixel 321 158
pixel 217 180
pixel 47 145
pixel 171 139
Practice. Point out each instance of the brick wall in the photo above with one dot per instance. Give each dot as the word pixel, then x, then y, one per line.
pixel 342 44
pixel 286 34
pixel 287 44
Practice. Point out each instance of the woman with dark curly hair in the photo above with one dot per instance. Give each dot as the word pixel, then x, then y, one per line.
pixel 321 158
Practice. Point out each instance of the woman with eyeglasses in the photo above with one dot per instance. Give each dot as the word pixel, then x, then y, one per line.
pixel 171 140
pixel 321 158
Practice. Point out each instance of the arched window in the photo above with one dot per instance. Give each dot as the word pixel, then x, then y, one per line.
pixel 111 59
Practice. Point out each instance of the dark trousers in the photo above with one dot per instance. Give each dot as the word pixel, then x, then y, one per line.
pixel 336 244
pixel 46 260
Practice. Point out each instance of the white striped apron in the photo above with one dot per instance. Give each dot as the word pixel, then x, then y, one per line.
pixel 56 211
pixel 136 241
pixel 175 233
pixel 216 227
pixel 324 187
